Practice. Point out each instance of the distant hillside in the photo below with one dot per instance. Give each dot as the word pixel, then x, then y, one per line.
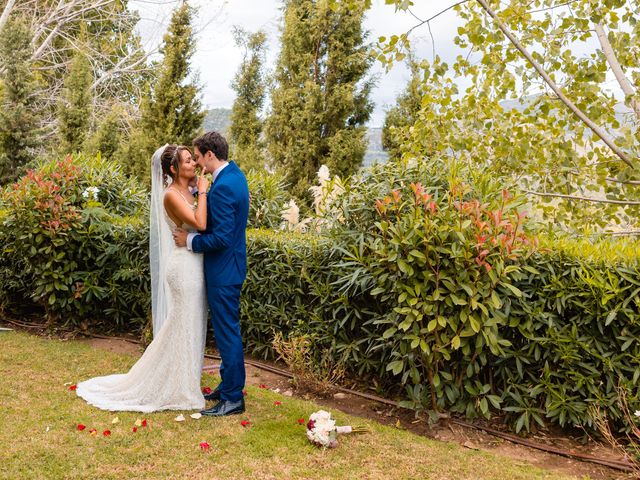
pixel 217 119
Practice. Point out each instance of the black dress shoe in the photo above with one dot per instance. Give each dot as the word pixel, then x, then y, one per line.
pixel 215 395
pixel 224 408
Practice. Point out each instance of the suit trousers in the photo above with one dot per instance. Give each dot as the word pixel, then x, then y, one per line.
pixel 224 304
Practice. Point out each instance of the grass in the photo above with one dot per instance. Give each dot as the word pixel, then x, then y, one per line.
pixel 39 438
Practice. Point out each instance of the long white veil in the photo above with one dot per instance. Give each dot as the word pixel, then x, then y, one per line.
pixel 160 245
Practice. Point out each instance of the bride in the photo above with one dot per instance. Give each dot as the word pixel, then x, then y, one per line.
pixel 167 376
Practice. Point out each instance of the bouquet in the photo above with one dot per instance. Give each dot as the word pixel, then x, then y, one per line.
pixel 322 430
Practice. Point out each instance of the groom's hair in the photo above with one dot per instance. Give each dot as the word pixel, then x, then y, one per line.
pixel 212 142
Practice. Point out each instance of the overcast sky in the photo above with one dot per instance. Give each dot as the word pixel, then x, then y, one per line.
pixel 217 58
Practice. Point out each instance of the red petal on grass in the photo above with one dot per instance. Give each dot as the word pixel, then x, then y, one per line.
pixel 301 421
pixel 206 391
pixel 204 446
pixel 245 423
pixel 144 422
pixel 244 393
pixel 106 433
pixel 81 427
pixel 73 387
pixel 277 403
pixel 135 429
pixel 262 386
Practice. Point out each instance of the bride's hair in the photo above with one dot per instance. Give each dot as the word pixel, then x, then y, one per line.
pixel 171 158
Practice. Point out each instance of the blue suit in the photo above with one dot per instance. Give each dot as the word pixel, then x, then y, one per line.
pixel 224 245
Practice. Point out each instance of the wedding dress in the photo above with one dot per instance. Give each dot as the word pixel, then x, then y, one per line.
pixel 167 376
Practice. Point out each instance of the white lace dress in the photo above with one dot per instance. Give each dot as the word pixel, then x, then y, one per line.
pixel 167 376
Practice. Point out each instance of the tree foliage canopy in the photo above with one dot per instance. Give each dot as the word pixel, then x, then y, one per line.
pixel 19 124
pixel 320 102
pixel 171 112
pixel 74 115
pixel 511 120
pixel 250 87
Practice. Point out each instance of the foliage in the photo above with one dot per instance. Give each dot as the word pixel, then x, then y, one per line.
pixel 268 197
pixel 172 110
pixel 320 102
pixel 446 261
pixel 19 129
pixel 74 241
pixel 108 138
pixel 509 118
pixel 250 87
pixel 296 352
pixel 438 290
pixel 403 114
pixel 627 446
pixel 74 111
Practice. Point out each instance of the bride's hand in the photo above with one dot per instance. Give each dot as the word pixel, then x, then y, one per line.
pixel 180 237
pixel 203 183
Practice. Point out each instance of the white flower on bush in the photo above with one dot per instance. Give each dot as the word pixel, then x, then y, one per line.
pixel 325 195
pixel 637 413
pixel 323 174
pixel 93 191
pixel 291 214
pixel 291 217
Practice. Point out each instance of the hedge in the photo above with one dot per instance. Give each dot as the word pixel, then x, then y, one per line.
pixel 571 335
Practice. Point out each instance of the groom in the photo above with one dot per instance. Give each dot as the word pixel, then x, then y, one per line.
pixel 225 264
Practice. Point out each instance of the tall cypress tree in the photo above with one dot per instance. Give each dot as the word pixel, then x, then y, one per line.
pixel 404 113
pixel 171 112
pixel 250 86
pixel 19 132
pixel 320 103
pixel 74 111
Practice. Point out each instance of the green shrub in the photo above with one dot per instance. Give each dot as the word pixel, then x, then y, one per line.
pixel 74 241
pixel 576 337
pixel 268 199
pixel 566 334
pixel 436 296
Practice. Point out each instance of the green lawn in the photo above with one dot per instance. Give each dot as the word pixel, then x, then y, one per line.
pixel 39 438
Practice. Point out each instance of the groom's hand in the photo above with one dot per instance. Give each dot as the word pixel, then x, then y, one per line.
pixel 180 237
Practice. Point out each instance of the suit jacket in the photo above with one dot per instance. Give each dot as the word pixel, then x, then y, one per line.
pixel 224 242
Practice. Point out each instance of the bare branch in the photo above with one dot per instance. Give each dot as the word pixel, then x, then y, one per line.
pixel 609 179
pixel 422 22
pixel 585 199
pixel 626 182
pixel 558 91
pixel 121 67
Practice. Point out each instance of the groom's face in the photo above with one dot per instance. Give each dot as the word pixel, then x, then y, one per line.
pixel 202 160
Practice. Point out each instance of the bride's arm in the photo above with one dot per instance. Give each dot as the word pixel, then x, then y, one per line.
pixel 177 208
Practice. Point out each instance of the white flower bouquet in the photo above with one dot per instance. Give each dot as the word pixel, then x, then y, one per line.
pixel 322 430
